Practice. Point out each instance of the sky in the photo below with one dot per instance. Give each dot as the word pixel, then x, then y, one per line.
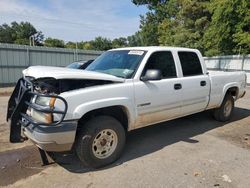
pixel 75 20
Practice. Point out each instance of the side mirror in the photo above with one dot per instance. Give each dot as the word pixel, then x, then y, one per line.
pixel 152 74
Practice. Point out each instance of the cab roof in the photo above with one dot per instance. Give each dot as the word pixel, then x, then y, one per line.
pixel 154 48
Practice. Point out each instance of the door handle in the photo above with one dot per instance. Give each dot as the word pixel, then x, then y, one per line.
pixel 203 83
pixel 177 86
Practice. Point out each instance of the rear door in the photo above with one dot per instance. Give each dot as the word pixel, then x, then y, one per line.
pixel 195 83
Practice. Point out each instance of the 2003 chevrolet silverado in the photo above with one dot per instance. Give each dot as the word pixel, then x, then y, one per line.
pixel 90 111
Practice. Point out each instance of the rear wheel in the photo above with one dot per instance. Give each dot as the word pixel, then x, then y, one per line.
pixel 101 141
pixel 224 112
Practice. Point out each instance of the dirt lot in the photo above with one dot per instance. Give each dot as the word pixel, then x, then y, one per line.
pixel 195 151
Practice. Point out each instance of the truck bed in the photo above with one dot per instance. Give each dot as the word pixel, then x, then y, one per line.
pixel 220 81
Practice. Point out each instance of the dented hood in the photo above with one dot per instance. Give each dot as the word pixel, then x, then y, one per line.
pixel 67 73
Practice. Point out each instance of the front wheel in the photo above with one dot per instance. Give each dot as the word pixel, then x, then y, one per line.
pixel 101 141
pixel 224 112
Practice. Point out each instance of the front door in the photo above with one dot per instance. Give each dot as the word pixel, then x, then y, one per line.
pixel 158 100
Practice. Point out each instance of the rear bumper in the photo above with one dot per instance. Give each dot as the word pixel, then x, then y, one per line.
pixel 52 138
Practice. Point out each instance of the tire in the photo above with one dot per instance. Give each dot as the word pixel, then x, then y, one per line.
pixel 100 142
pixel 224 112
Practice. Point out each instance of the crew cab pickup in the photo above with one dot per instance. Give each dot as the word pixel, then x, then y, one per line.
pixel 90 111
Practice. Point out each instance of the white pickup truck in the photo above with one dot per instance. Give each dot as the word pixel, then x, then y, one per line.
pixel 90 110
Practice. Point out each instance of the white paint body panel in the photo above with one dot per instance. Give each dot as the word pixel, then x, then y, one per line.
pixel 148 102
pixel 67 73
pixel 221 82
pixel 156 101
pixel 194 97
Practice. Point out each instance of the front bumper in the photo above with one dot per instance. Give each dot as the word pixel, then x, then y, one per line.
pixel 52 138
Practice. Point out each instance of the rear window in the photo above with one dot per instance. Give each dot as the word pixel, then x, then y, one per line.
pixel 190 63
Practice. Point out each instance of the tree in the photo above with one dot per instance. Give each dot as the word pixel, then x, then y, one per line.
pixel 151 4
pixel 23 32
pixel 135 40
pixel 149 30
pixel 6 34
pixel 229 30
pixel 20 33
pixel 101 43
pixel 174 22
pixel 185 24
pixel 87 46
pixel 71 45
pixel 216 27
pixel 149 23
pixel 119 42
pixel 51 42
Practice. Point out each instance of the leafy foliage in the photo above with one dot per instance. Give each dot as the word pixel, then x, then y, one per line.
pixel 20 33
pixel 185 25
pixel 51 42
pixel 119 42
pixel 71 45
pixel 149 30
pixel 6 34
pixel 229 30
pixel 101 43
pixel 135 40
pixel 214 26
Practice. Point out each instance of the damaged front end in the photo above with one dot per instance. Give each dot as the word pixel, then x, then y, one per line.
pixel 32 104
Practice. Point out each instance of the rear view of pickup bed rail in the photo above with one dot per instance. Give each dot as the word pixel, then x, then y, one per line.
pixel 90 111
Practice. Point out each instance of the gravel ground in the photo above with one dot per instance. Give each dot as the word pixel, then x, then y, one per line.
pixel 194 151
pixel 6 91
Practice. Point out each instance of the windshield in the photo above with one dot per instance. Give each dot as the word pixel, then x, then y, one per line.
pixel 120 63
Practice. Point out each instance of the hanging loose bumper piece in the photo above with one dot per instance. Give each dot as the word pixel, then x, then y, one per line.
pixel 44 157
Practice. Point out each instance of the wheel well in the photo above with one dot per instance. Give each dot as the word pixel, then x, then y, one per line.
pixel 118 112
pixel 233 91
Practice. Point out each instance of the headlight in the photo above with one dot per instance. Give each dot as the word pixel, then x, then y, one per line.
pixel 45 101
pixel 41 116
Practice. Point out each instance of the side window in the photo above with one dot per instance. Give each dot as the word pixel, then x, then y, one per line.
pixel 164 61
pixel 190 63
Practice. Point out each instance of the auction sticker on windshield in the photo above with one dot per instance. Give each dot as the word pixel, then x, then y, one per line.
pixel 135 52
